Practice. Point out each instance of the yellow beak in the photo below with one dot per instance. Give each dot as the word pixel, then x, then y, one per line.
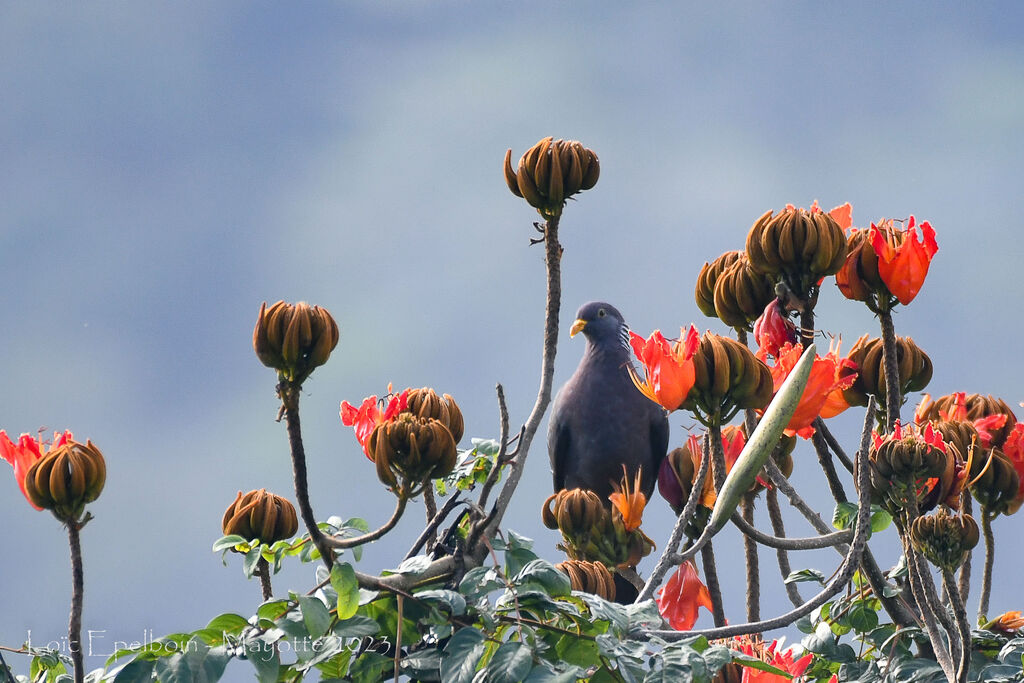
pixel 577 326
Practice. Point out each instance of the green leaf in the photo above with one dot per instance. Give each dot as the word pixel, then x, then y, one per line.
pixel 880 519
pixel 356 626
pixel 454 602
pixel 267 661
pixel 580 652
pixel 479 581
pixel 461 656
pixel 315 615
pixel 762 442
pixel 344 582
pixel 844 515
pixel 136 671
pixel 231 624
pixel 228 542
pixel 249 563
pixel 541 574
pixel 414 565
pixel 510 663
pixel 423 665
pixel 369 667
pixel 805 575
pixel 272 609
pixel 862 618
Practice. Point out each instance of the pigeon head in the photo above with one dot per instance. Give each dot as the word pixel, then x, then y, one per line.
pixel 601 324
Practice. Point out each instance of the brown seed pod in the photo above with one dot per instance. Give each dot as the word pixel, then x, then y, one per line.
pixel 589 577
pixel 858 278
pixel 550 172
pixel 915 370
pixel 574 512
pixel 66 479
pixel 995 482
pixel 425 402
pixel 803 245
pixel 704 292
pixel 260 515
pixel 727 378
pixel 409 451
pixel 741 294
pixel 944 539
pixel 294 339
pixel 977 406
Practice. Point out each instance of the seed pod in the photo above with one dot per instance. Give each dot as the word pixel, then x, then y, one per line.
pixel 802 245
pixel 66 479
pixel 727 378
pixel 294 339
pixel 704 293
pixel 915 370
pixel 575 512
pixel 978 407
pixel 425 402
pixel 589 577
pixel 858 278
pixel 944 539
pixel 550 172
pixel 741 294
pixel 995 482
pixel 260 515
pixel 409 451
pixel 903 467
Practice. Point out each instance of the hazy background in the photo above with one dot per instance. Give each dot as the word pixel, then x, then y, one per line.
pixel 166 167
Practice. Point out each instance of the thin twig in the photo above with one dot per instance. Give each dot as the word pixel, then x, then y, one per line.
pixel 665 561
pixel 836 538
pixel 928 615
pixel 893 396
pixel 438 519
pixel 825 459
pixel 964 580
pixel 263 571
pixel 429 504
pixel 750 555
pixel 289 394
pixel 492 476
pixel 963 628
pixel 990 555
pixel 779 529
pixel 819 425
pixel 77 592
pixel 552 261
pixel 841 578
pixel 707 558
pixel 342 543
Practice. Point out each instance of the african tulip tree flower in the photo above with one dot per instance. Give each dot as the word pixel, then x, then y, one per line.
pixel 829 375
pixel 668 369
pixel 629 501
pixel 25 453
pixel 903 257
pixel 781 659
pixel 682 597
pixel 774 329
pixel 367 416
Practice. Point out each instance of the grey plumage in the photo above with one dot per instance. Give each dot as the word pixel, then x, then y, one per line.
pixel 600 421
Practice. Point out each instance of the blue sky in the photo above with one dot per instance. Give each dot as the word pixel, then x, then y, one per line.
pixel 165 167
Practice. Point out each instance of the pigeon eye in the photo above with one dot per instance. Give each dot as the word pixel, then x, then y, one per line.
pixel 600 313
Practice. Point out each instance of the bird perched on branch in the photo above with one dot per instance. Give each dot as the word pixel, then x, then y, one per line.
pixel 600 421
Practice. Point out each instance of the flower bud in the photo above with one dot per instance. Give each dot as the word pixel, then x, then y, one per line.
pixel 426 403
pixel 260 515
pixel 774 329
pixel 858 278
pixel 802 245
pixel 708 277
pixel 994 481
pixel 986 412
pixel 944 539
pixel 577 513
pixel 294 339
pixel 908 466
pixel 589 577
pixel 727 378
pixel 413 450
pixel 915 370
pixel 550 172
pixel 741 294
pixel 67 478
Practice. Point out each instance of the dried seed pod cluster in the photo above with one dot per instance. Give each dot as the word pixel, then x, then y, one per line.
pixel 801 246
pixel 741 294
pixel 591 531
pixel 589 577
pixel 67 478
pixel 708 277
pixel 294 339
pixel 912 466
pixel 550 172
pixel 410 450
pixel 727 378
pixel 915 370
pixel 944 539
pixel 575 512
pixel 425 402
pixel 260 515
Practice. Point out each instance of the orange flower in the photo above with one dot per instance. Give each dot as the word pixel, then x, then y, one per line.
pixel 1007 622
pixel 367 416
pixel 630 501
pixel 1014 450
pixel 785 660
pixel 774 328
pixel 25 453
pixel 682 597
pixel 903 258
pixel 669 370
pixel 829 375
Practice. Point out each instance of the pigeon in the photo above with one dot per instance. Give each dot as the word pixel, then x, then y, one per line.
pixel 600 421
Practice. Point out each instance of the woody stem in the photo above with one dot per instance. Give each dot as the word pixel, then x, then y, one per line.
pixel 893 397
pixel 289 393
pixel 990 552
pixel 263 570
pixel 753 570
pixel 77 591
